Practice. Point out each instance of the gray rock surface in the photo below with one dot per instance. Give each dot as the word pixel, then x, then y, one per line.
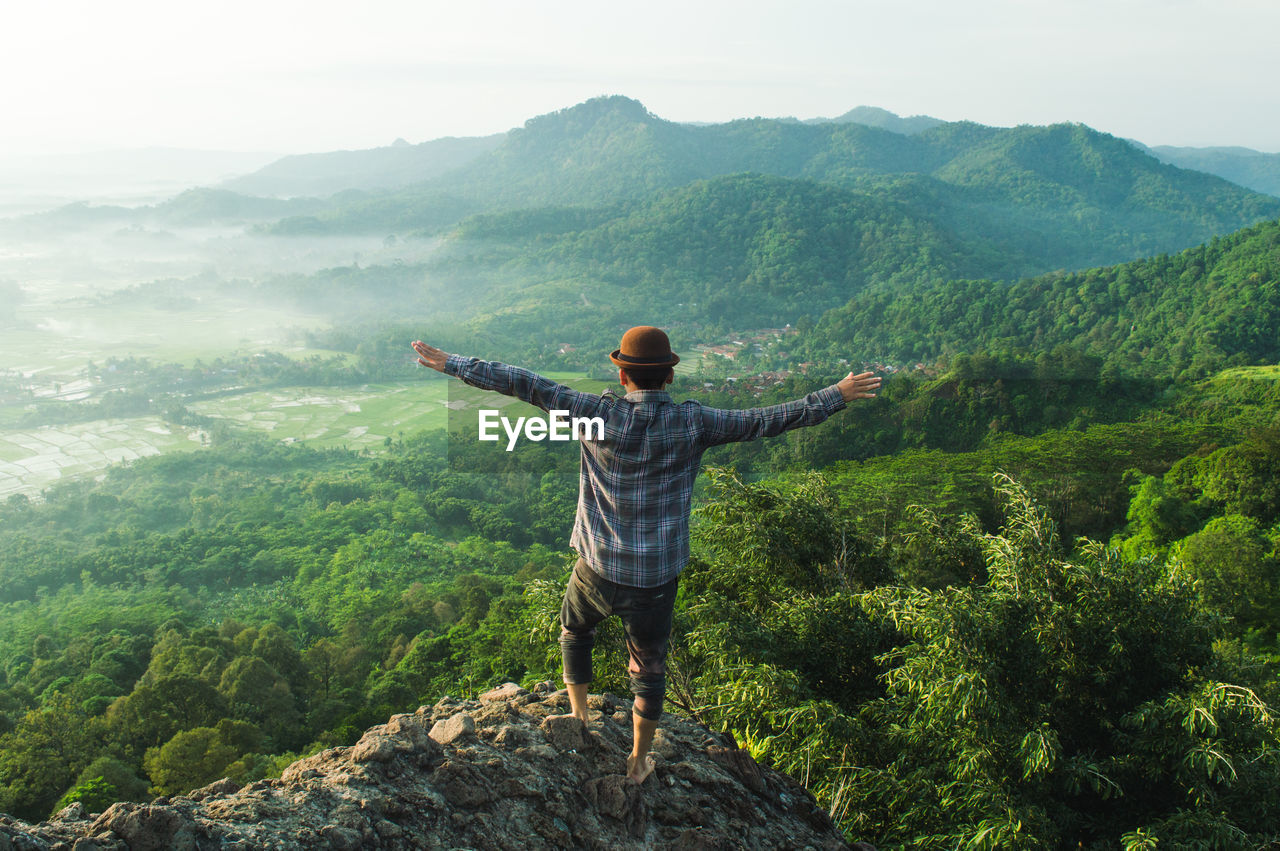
pixel 495 773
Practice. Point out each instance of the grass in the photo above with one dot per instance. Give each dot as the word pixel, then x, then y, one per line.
pixel 688 365
pixel 1249 373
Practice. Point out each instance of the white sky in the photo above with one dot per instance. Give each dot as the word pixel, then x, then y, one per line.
pixel 313 75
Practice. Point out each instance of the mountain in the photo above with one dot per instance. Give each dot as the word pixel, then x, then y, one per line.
pixel 1253 169
pixel 1202 309
pixel 612 148
pixel 1063 196
pixel 499 772
pixel 389 167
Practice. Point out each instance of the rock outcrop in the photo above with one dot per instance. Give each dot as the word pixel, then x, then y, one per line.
pixel 495 773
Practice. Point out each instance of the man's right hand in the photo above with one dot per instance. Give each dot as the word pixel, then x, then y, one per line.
pixel 430 356
pixel 861 386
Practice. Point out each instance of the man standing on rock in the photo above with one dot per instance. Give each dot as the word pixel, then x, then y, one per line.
pixel 631 530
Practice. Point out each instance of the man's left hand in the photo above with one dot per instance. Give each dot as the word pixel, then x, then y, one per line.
pixel 430 356
pixel 861 386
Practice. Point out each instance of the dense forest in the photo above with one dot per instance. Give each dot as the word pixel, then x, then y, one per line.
pixel 1026 597
pixel 1196 311
pixel 221 612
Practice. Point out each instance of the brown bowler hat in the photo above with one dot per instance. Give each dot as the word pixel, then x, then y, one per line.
pixel 644 346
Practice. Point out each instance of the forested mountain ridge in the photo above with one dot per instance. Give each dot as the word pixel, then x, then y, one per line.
pixel 402 164
pixel 1063 196
pixel 1034 198
pixel 739 251
pixel 1214 305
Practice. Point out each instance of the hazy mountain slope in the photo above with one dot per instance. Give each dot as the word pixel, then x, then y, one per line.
pixel 199 206
pixel 608 149
pixel 33 183
pixel 596 152
pixel 734 252
pixel 1091 197
pixel 388 167
pixel 1211 306
pixel 1253 169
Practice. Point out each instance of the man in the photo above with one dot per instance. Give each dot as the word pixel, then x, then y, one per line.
pixel 631 530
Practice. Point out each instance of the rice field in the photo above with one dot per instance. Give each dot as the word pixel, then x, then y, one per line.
pixel 32 460
pixel 355 418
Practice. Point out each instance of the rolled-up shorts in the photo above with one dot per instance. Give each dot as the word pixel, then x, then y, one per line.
pixel 646 618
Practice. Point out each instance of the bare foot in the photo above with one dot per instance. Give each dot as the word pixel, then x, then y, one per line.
pixel 569 715
pixel 639 769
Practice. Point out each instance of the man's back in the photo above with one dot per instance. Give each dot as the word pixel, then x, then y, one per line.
pixel 636 484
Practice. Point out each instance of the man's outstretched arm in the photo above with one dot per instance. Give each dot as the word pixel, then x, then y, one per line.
pixel 727 426
pixel 509 380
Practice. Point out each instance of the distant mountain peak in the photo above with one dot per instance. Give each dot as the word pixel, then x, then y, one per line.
pixel 874 116
pixel 591 111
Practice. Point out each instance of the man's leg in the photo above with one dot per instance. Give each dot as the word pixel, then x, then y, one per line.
pixel 647 619
pixel 639 762
pixel 578 699
pixel 581 610
pixel 575 655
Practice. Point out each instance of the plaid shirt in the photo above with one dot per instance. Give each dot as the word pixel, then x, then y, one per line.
pixel 636 485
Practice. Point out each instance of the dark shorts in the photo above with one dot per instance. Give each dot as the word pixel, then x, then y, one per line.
pixel 646 617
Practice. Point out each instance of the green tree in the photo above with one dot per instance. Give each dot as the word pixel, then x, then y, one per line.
pixel 1157 517
pixel 1234 567
pixel 96 794
pixel 1245 478
pixel 1073 698
pixel 39 758
pixel 199 756
pixel 770 643
pixel 122 780
pixel 255 691
pixel 153 712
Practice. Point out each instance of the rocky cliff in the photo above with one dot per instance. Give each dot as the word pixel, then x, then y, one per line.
pixel 495 773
